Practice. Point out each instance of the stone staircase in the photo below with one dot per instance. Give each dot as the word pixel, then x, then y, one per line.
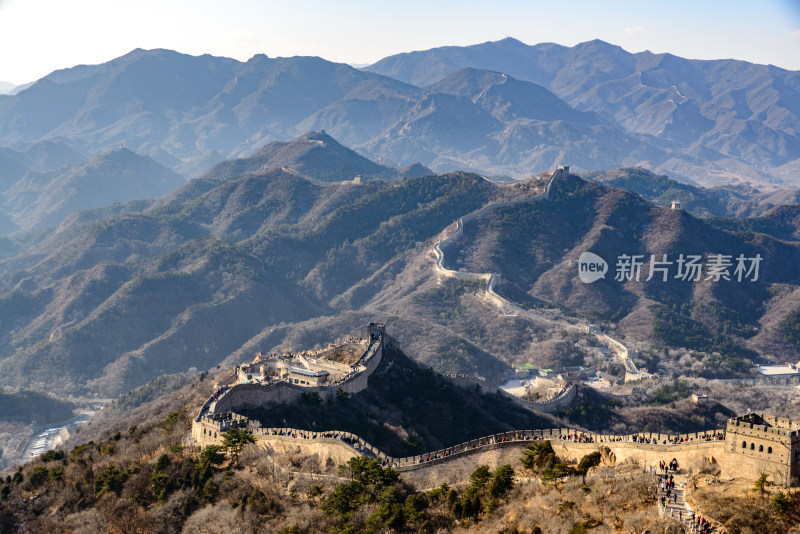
pixel 677 508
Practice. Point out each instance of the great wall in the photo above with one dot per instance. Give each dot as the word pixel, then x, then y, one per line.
pixel 752 444
pixel 492 281
pixel 228 398
pixel 748 445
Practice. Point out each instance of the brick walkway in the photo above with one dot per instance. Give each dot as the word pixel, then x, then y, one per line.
pixel 678 508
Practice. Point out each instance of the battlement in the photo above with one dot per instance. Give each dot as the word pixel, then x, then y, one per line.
pixel 284 380
pixel 209 428
pixel 376 330
pixel 765 443
pixel 749 445
pixel 765 426
pixel 765 450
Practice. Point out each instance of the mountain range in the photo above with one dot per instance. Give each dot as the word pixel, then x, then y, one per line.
pixel 500 108
pixel 164 218
pixel 49 181
pixel 255 255
pixel 115 269
pixel 722 114
pixel 40 199
pixel 720 201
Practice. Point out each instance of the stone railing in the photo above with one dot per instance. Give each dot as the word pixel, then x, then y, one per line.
pixel 717 525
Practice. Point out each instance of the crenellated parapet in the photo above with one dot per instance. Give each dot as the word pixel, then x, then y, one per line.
pixel 722 446
pixel 570 443
pixel 251 395
pixel 761 443
pixel 208 429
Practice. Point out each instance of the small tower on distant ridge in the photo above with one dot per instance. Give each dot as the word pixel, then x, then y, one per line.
pixel 676 205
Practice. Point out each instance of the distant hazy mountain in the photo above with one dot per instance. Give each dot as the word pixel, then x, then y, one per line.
pixel 179 108
pixel 38 199
pixel 16 88
pixel 50 155
pixel 507 98
pixel 720 201
pixel 6 87
pixel 315 155
pixel 489 122
pixel 41 156
pixel 731 116
pixel 12 167
pixel 516 110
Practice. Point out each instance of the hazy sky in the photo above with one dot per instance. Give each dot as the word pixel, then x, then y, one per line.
pixel 39 36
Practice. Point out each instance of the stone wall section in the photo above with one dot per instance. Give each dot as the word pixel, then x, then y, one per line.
pixel 245 396
pixel 563 399
pixel 772 448
pixel 456 462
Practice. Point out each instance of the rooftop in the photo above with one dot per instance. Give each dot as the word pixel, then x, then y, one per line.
pixel 778 370
pixel 307 372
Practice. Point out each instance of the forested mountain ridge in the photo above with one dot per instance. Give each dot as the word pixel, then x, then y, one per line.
pixel 235 263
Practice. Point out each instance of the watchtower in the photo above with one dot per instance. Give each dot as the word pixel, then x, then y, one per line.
pixel 757 443
pixel 375 331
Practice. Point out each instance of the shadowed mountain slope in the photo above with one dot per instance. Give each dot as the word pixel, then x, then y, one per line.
pixel 240 260
pixel 222 265
pixel 409 409
pixel 720 201
pixel 37 199
pixel 535 247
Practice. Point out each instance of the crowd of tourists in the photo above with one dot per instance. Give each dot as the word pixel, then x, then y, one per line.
pixel 672 440
pixel 669 499
pixel 575 437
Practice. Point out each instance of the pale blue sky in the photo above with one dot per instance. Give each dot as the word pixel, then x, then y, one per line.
pixel 39 36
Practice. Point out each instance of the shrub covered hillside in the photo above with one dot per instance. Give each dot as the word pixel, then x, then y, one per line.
pixel 138 473
pixel 147 480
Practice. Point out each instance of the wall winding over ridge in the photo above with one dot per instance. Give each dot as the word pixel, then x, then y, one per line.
pixel 455 462
pixel 490 279
pixel 569 444
pixel 563 399
pixel 560 401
